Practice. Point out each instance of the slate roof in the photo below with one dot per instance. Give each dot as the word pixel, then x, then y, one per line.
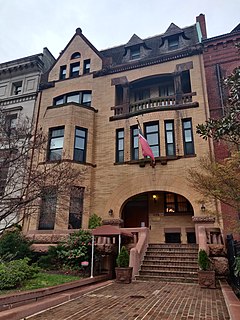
pixel 153 43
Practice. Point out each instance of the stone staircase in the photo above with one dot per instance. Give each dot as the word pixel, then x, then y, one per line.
pixel 170 262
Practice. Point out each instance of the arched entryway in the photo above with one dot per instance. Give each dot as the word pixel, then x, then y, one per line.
pixel 168 216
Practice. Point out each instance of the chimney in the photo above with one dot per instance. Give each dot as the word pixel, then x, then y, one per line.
pixel 202 22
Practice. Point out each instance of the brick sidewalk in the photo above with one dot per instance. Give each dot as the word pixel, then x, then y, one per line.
pixel 143 300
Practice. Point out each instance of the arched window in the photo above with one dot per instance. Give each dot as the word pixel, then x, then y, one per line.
pixel 76 55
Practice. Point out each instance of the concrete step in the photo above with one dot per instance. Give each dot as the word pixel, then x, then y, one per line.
pixel 170 267
pixel 166 259
pixel 167 279
pixel 169 273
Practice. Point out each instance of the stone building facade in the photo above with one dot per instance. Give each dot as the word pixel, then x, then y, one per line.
pixel 90 107
pixel 19 82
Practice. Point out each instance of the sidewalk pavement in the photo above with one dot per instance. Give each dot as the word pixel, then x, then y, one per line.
pixel 143 300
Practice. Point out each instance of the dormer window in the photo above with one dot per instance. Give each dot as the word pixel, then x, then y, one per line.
pixel 173 42
pixel 135 53
pixel 76 55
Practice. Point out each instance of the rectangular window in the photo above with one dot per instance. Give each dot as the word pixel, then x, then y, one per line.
pixel 63 72
pixel 173 42
pixel 186 82
pixel 120 145
pixel 86 98
pixel 10 122
pixel 188 137
pixel 73 97
pixel 4 165
pixel 175 203
pixel 17 88
pixel 56 138
pixel 169 138
pixel 48 209
pixel 74 69
pixel 80 145
pixel 152 136
pixel 166 88
pixel 76 208
pixel 86 66
pixel 134 53
pixel 134 143
pixel 142 94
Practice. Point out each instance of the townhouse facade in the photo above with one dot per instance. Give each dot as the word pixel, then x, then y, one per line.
pixel 90 107
pixel 221 57
pixel 19 82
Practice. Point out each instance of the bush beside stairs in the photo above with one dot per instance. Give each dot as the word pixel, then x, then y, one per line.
pixel 170 262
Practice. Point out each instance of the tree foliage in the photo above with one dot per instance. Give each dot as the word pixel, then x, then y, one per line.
pixel 23 176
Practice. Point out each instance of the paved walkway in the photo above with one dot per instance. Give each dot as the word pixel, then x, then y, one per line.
pixel 143 300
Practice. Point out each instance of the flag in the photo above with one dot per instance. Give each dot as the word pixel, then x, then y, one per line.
pixel 146 150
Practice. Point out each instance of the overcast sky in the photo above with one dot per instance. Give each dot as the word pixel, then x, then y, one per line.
pixel 27 26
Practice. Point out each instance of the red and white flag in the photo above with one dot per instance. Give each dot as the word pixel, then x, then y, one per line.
pixel 146 149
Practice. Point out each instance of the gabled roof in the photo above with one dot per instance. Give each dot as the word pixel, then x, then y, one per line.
pixel 237 28
pixel 135 40
pixel 172 30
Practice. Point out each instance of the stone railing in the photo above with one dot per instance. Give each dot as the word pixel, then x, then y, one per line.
pixel 153 103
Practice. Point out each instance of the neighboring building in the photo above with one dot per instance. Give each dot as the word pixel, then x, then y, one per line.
pixel 88 107
pixel 221 57
pixel 19 82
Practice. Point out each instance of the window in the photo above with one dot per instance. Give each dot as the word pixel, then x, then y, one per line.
pixel 63 72
pixel 76 208
pixel 175 203
pixel 17 88
pixel 56 137
pixel 152 136
pixel 173 42
pixel 134 53
pixel 10 122
pixel 76 55
pixel 120 145
pixel 74 69
pixel 185 81
pixel 48 209
pixel 80 145
pixel 188 137
pixel 134 143
pixel 166 88
pixel 81 97
pixel 4 165
pixel 142 94
pixel 86 66
pixel 169 138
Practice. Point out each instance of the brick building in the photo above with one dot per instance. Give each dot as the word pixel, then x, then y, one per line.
pixel 19 82
pixel 88 108
pixel 221 57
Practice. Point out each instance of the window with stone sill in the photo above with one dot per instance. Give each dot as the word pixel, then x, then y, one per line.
pixel 74 69
pixel 48 209
pixel 76 208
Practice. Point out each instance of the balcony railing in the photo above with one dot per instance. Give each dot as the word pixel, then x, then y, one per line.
pixel 154 103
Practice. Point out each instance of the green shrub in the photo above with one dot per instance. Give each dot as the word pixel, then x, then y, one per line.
pixel 75 250
pixel 94 221
pixel 203 260
pixel 14 273
pixel 50 261
pixel 123 258
pixel 14 243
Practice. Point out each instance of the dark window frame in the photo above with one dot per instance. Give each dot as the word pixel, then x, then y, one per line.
pixel 63 98
pixel 173 42
pixel 76 55
pixel 135 53
pixel 147 134
pixel 86 66
pixel 84 149
pixel 74 74
pixel 134 143
pixel 167 144
pixel 188 146
pixel 63 72
pixel 176 204
pixel 76 207
pixel 48 209
pixel 50 139
pixel 119 152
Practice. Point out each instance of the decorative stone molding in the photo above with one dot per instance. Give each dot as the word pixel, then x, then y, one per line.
pixel 113 222
pixel 203 219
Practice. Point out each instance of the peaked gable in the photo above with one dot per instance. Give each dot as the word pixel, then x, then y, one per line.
pixel 135 40
pixel 172 30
